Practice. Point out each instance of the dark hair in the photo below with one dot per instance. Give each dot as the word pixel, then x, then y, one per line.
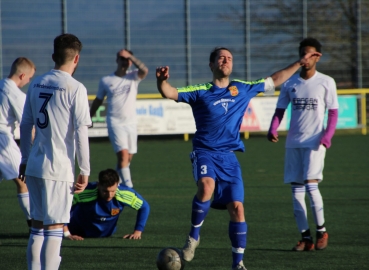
pixel 66 46
pixel 20 64
pixel 215 51
pixel 108 178
pixel 311 42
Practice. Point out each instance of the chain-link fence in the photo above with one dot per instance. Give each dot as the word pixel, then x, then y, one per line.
pixel 263 34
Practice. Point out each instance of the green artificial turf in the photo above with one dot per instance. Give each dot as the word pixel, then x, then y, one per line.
pixel 162 174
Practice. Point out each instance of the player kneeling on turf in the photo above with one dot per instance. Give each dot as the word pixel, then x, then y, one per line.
pixel 96 210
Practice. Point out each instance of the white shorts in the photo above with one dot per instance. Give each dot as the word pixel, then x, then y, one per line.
pixel 50 201
pixel 304 164
pixel 10 158
pixel 123 137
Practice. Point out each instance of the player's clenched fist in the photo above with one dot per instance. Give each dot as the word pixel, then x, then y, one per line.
pixel 162 73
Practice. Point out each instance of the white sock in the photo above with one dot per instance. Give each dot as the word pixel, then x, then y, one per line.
pixel 23 200
pixel 125 175
pixel 35 242
pixel 299 207
pixel 316 203
pixel 50 258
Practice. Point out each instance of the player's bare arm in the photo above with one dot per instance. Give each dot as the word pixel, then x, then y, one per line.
pixel 164 87
pixel 136 235
pixel 95 105
pixel 81 183
pixel 142 69
pixel 69 236
pixel 282 75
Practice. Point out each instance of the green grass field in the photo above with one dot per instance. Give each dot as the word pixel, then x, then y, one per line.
pixel 161 172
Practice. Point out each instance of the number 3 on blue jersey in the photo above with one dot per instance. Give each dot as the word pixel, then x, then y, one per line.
pixel 204 169
pixel 43 110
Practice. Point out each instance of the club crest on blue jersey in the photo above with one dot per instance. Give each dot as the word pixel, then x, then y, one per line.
pixel 114 211
pixel 293 90
pixel 234 90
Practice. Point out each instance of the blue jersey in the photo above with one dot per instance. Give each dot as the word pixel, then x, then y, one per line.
pixel 218 112
pixel 95 217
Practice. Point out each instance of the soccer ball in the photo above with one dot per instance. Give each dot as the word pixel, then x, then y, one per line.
pixel 170 259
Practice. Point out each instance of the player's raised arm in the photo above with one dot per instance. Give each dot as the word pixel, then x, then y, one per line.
pixel 142 69
pixel 165 89
pixel 282 75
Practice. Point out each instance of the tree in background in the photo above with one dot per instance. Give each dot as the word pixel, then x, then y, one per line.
pixel 277 29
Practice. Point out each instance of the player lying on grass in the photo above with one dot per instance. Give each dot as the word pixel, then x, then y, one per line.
pixel 96 210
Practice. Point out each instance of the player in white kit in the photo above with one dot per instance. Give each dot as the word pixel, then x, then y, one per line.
pixel 121 89
pixel 57 105
pixel 310 93
pixel 12 102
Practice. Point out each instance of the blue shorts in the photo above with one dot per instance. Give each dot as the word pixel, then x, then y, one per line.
pixel 225 169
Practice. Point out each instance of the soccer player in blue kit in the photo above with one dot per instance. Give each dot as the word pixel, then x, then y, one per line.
pixel 96 210
pixel 218 108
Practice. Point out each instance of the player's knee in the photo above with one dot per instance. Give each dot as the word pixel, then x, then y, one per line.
pixel 236 211
pixel 205 189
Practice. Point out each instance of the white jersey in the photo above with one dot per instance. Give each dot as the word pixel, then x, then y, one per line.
pixel 121 93
pixel 12 101
pixel 57 105
pixel 309 101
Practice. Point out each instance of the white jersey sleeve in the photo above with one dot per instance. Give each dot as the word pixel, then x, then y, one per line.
pixel 83 151
pixel 284 98
pixel 81 108
pixel 26 129
pixel 101 92
pixel 331 98
pixel 12 101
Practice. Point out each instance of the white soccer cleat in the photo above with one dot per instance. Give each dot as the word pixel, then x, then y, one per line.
pixel 239 266
pixel 189 248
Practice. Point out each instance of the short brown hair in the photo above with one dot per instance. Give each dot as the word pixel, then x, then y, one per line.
pixel 108 178
pixel 20 64
pixel 66 46
pixel 215 51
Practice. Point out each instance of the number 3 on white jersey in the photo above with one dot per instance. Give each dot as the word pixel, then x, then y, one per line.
pixel 204 169
pixel 43 110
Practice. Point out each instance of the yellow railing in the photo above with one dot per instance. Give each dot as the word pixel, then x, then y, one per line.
pixel 363 92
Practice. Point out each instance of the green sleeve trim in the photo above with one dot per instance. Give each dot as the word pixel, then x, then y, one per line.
pixel 250 82
pixel 87 195
pixel 129 198
pixel 193 88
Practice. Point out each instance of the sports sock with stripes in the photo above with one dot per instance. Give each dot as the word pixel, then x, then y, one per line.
pixel 50 251
pixel 35 243
pixel 23 200
pixel 299 207
pixel 238 235
pixel 199 212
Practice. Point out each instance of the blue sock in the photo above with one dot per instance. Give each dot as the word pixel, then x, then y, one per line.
pixel 199 212
pixel 237 233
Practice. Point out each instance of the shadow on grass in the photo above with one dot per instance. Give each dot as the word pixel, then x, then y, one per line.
pixel 4 236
